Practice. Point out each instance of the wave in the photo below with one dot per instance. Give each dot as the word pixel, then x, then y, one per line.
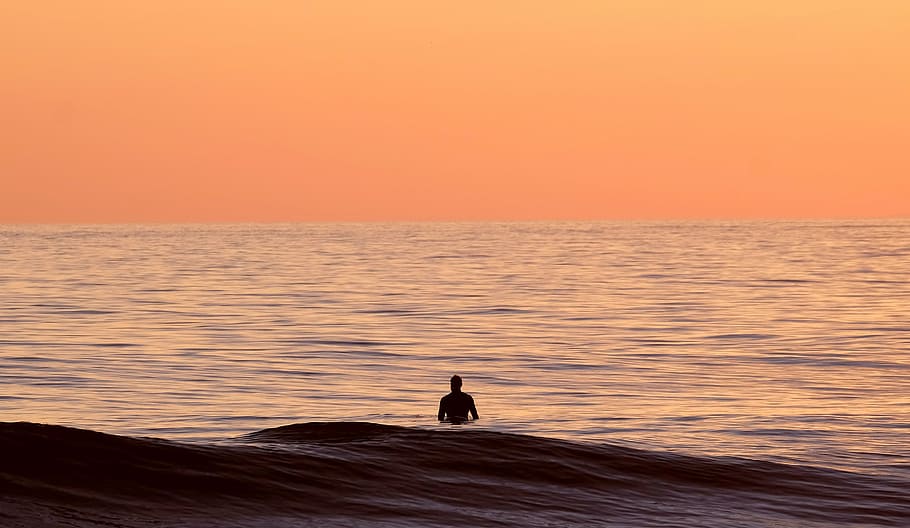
pixel 366 474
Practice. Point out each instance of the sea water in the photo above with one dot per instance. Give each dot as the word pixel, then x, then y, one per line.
pixel 768 341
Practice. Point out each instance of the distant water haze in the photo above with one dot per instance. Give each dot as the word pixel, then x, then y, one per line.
pixel 780 341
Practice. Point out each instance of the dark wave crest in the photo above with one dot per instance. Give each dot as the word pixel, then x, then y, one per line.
pixel 352 474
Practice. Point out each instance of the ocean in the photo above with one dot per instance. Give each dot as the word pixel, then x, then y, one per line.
pixel 701 373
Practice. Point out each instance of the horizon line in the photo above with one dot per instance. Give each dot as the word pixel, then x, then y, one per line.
pixel 472 221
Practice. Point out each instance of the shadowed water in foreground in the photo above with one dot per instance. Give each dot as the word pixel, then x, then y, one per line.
pixel 366 474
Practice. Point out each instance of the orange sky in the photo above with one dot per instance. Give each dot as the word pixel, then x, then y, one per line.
pixel 297 110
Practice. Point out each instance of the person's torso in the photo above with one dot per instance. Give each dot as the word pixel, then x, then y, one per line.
pixel 457 404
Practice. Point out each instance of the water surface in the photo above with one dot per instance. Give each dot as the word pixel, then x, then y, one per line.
pixel 776 341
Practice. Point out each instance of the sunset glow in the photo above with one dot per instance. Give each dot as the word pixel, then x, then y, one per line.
pixel 233 110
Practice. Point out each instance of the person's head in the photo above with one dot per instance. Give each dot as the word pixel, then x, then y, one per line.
pixel 455 382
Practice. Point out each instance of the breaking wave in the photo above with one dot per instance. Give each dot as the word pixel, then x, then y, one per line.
pixel 366 474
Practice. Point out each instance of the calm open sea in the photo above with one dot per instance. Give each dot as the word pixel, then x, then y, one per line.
pixel 785 344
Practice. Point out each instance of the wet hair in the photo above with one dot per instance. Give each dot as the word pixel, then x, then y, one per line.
pixel 455 381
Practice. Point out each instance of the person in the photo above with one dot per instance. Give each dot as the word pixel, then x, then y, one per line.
pixel 455 406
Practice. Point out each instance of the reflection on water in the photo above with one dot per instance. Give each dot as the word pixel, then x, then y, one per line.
pixel 775 340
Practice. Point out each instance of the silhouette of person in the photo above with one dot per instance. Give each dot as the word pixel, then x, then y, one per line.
pixel 454 406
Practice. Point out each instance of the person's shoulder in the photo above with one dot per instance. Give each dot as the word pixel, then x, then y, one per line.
pixel 467 396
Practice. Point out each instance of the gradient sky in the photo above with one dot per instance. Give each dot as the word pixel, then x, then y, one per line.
pixel 298 110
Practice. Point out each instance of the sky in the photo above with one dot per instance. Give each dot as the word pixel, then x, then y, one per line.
pixel 415 110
